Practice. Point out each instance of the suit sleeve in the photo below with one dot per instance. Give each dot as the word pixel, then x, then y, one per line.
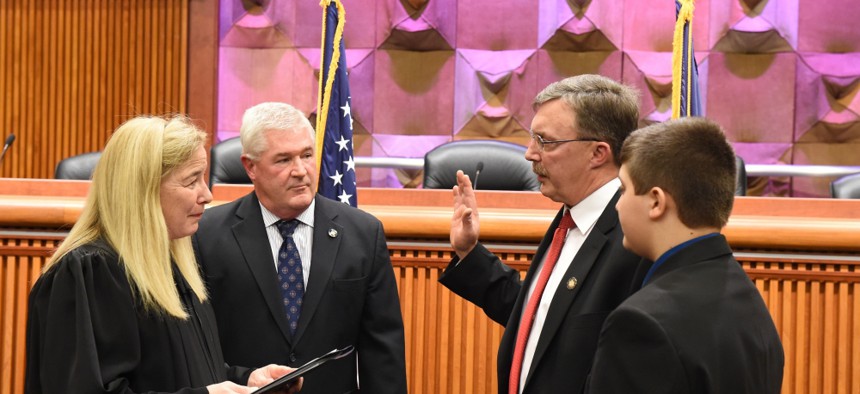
pixel 635 355
pixel 381 344
pixel 482 279
pixel 82 331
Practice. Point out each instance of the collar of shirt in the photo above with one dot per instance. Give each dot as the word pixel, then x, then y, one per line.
pixel 675 249
pixel 586 213
pixel 306 217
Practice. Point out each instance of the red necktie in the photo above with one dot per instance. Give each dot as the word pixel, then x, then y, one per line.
pixel 529 313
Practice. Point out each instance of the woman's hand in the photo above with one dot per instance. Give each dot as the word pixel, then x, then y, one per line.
pixel 268 374
pixel 229 388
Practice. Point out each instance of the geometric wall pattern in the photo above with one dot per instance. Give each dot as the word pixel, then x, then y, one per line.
pixel 781 76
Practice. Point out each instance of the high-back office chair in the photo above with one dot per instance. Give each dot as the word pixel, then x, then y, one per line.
pixel 741 181
pixel 79 167
pixel 225 163
pixel 847 186
pixel 504 165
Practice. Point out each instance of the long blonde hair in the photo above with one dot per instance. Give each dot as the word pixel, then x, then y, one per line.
pixel 123 208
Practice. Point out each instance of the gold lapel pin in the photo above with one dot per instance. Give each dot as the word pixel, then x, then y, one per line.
pixel 571 283
pixel 332 233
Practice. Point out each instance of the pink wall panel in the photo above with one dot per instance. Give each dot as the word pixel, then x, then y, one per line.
pixel 249 76
pixel 497 25
pixel 828 103
pixel 487 93
pixel 829 27
pixel 649 72
pixel 754 99
pixel 416 25
pixel 414 92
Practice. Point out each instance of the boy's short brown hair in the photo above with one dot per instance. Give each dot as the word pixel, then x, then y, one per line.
pixel 690 159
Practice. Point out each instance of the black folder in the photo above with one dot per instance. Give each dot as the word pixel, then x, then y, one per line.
pixel 284 382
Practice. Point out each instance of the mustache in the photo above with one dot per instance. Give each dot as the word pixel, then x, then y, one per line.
pixel 538 169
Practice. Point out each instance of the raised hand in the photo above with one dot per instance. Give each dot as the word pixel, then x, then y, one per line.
pixel 464 224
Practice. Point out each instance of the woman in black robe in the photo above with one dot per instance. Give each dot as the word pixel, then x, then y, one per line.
pixel 121 306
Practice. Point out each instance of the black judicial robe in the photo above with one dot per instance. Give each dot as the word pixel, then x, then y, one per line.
pixel 87 333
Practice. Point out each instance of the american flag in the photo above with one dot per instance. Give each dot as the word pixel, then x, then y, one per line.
pixel 334 121
pixel 685 72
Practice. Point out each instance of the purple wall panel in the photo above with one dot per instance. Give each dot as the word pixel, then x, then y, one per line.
pixel 752 96
pixel 753 26
pixel 431 26
pixel 828 104
pixel 497 25
pixel 250 76
pixel 487 91
pixel 829 27
pixel 661 24
pixel 650 73
pixel 414 92
pixel 361 80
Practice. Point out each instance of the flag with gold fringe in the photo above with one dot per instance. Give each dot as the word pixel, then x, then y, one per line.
pixel 334 117
pixel 685 74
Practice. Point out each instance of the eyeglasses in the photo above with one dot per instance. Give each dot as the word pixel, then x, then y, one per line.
pixel 541 143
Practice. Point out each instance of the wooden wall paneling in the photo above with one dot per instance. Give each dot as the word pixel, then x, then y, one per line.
pixel 4 65
pixel 843 382
pixel 72 71
pixel 788 330
pixel 200 88
pixel 181 56
pixel 829 336
pixel 64 83
pixel 103 40
pixel 817 316
pixel 171 36
pixel 122 55
pixel 27 77
pixel 90 98
pixel 8 302
pixel 801 360
pixel 21 262
pixel 855 336
pixel 450 344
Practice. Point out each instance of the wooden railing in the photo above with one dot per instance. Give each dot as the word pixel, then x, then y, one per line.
pixel 803 255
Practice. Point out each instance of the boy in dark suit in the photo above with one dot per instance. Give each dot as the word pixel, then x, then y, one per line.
pixel 698 324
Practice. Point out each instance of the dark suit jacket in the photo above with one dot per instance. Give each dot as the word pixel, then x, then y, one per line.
pixel 351 297
pixel 698 326
pixel 604 272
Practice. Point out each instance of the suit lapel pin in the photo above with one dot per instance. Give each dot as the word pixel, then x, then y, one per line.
pixel 571 283
pixel 332 233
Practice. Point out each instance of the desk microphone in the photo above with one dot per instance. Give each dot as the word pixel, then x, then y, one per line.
pixel 478 169
pixel 9 140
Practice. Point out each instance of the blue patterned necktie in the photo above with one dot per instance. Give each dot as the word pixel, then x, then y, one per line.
pixel 290 273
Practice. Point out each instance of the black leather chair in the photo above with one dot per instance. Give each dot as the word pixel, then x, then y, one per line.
pixel 741 182
pixel 504 165
pixel 225 163
pixel 79 167
pixel 847 186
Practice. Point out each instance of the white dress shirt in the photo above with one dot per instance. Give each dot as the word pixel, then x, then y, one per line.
pixel 303 237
